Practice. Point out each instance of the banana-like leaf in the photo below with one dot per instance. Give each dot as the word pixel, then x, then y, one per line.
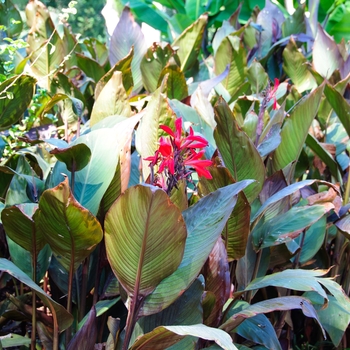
pixel 75 157
pixel 127 34
pixel 145 237
pixel 236 231
pixel 10 18
pixel 15 96
pixel 204 221
pixel 189 43
pixel 163 337
pixel 71 230
pixel 298 125
pixel 238 151
pixel 257 77
pixel 59 313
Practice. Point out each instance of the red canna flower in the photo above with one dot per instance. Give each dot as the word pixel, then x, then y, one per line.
pixel 177 158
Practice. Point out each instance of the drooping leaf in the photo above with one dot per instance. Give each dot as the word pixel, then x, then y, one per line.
pixel 59 313
pixel 286 226
pixel 333 318
pixel 75 157
pixel 112 100
pixel 20 227
pixel 71 230
pixel 189 43
pixel 326 57
pixel 124 66
pixel 126 34
pixel 237 150
pixel 162 337
pixel 236 231
pixel 204 221
pixel 295 65
pixel 145 216
pixel 297 125
pixel 274 304
pixel 15 96
pixel 232 53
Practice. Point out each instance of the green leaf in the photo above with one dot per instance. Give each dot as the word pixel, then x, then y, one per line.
pixel 11 18
pixel 124 66
pixel 287 226
pixel 238 151
pixel 274 304
pixel 340 106
pixel 127 34
pixel 21 88
pixel 204 221
pixel 71 230
pixel 75 157
pixel 298 125
pixel 162 337
pixel 20 227
pixel 59 313
pixel 295 24
pixel 195 8
pixel 144 216
pixel 112 100
pixel 10 340
pixel 295 65
pixel 90 67
pixel 333 318
pixel 237 229
pixel 326 57
pixel 189 43
pixel 257 77
pixel 232 53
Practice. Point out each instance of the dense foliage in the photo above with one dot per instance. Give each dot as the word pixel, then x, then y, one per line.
pixel 192 194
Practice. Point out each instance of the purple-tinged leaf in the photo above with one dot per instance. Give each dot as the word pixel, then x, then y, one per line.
pixel 126 35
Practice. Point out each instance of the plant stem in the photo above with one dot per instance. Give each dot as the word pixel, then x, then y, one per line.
pixel 69 295
pixel 255 273
pixel 34 256
pixel 131 321
pixel 83 290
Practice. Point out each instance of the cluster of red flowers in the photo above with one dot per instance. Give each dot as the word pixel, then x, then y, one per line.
pixel 177 157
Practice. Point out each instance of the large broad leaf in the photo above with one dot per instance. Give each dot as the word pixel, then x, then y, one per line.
pixel 295 65
pixel 232 53
pixel 257 77
pixel 157 112
pixel 126 34
pixel 20 226
pixel 238 151
pixel 237 229
pixel 274 304
pixel 112 100
pixel 71 230
pixel 162 337
pixel 15 96
pixel 287 226
pixel 297 125
pixel 195 8
pixel 62 318
pixel 189 43
pixel 326 57
pixel 204 221
pixel 340 106
pixel 145 237
pixel 10 18
pixel 75 157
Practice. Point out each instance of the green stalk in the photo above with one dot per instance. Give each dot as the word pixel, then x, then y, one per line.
pixel 255 273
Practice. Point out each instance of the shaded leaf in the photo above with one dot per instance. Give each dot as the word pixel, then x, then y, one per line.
pixel 71 230
pixel 90 67
pixel 10 18
pixel 15 96
pixel 59 313
pixel 257 77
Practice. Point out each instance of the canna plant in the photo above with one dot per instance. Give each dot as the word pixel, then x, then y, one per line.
pixel 193 195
